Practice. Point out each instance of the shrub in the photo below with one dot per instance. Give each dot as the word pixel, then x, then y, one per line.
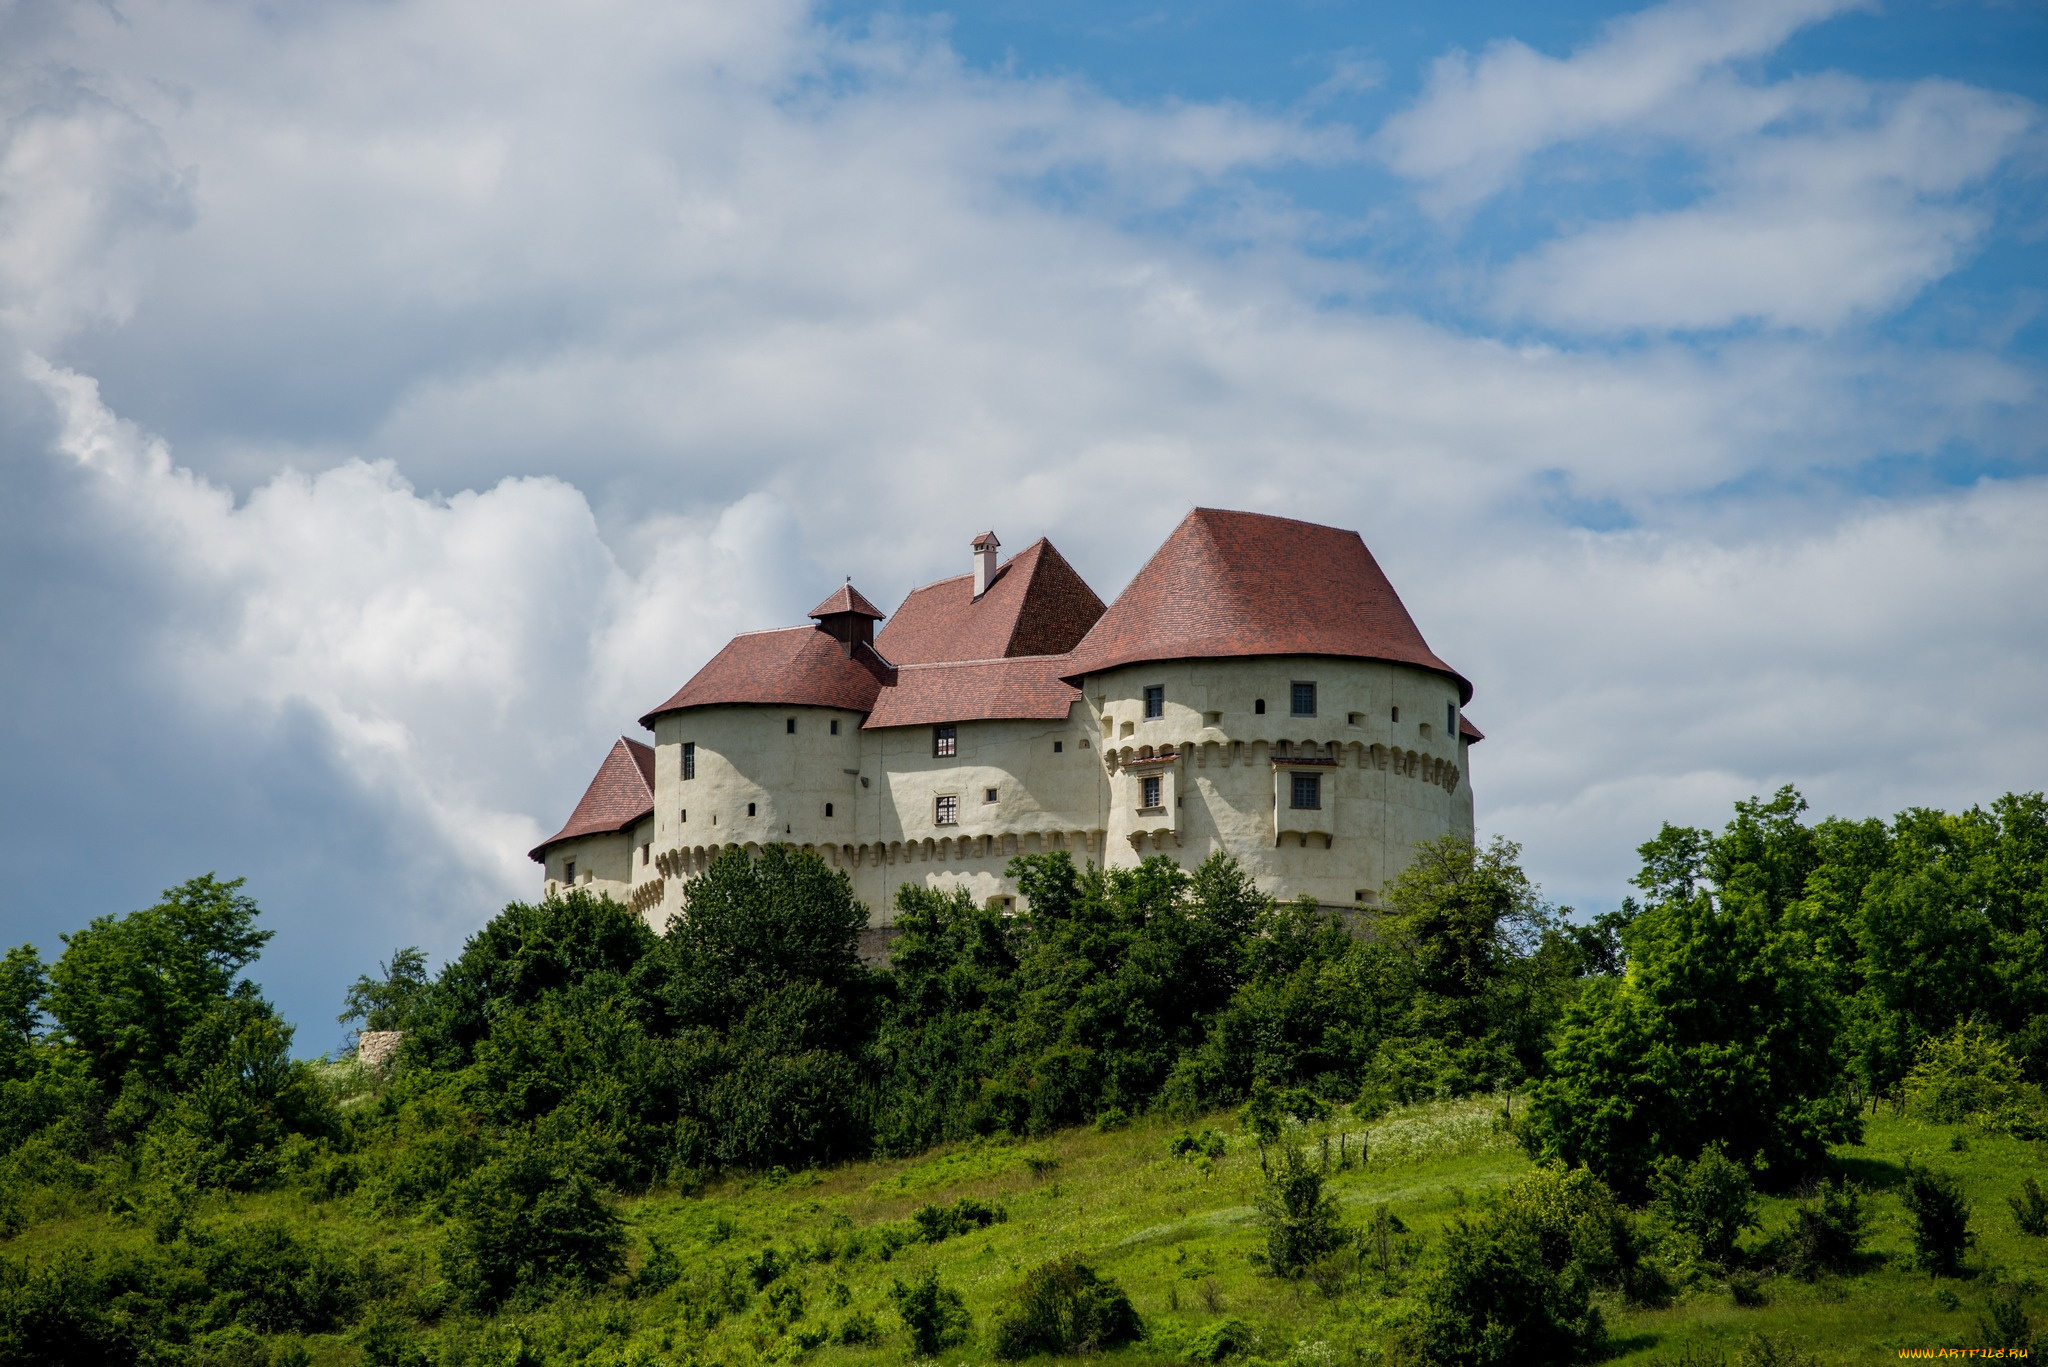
pixel 527 1223
pixel 1826 1235
pixel 272 1281
pixel 1762 1350
pixel 857 1328
pixel 58 1313
pixel 1301 1219
pixel 1941 1219
pixel 2005 1323
pixel 1962 1073
pixel 2030 1208
pixel 935 1315
pixel 1711 1200
pixel 938 1223
pixel 1208 1144
pixel 1214 1343
pixel 1516 1286
pixel 1064 1307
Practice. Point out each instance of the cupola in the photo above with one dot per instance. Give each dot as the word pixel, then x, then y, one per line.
pixel 848 617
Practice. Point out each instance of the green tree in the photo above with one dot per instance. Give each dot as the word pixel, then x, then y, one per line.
pixel 1725 1030
pixel 127 989
pixel 1065 1307
pixel 1303 1222
pixel 1711 1200
pixel 529 1223
pixel 388 1003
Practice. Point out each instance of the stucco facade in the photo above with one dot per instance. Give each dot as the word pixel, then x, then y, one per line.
pixel 1318 756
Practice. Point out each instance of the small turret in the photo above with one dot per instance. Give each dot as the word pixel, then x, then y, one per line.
pixel 849 617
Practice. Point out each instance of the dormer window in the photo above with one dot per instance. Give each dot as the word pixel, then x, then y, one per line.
pixel 1155 701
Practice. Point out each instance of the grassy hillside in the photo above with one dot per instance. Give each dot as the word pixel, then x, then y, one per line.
pixel 776 1269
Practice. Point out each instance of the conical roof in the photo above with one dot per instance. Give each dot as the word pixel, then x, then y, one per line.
pixel 1230 584
pixel 847 599
pixel 621 794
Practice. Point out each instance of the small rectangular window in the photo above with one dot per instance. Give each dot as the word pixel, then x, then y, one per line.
pixel 989 795
pixel 686 816
pixel 945 742
pixel 1058 746
pixel 1450 720
pixel 1148 788
pixel 789 727
pixel 946 812
pixel 835 726
pixel 1308 792
pixel 1303 698
pixel 569 871
pixel 689 759
pixel 828 809
pixel 750 809
pixel 1397 712
pixel 1155 701
pixel 643 856
pixel 1259 707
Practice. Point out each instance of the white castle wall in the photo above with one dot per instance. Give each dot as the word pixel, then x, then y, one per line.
pixel 1387 784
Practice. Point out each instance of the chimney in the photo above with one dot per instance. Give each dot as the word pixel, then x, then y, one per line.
pixel 985 548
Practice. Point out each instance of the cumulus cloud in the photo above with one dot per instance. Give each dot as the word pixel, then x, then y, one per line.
pixel 1816 199
pixel 448 381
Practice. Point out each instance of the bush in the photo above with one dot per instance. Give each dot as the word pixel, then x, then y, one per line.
pixel 1302 1221
pixel 528 1223
pixel 1064 1307
pixel 1963 1073
pixel 58 1313
pixel 1826 1235
pixel 1711 1200
pixel 938 1223
pixel 1941 1219
pixel 2005 1323
pixel 1208 1144
pixel 272 1281
pixel 935 1315
pixel 2030 1208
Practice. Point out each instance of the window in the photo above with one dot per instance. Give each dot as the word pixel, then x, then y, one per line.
pixel 1397 711
pixel 1259 706
pixel 1148 789
pixel 568 871
pixel 1155 701
pixel 1302 699
pixel 689 759
pixel 686 816
pixel 1450 720
pixel 828 809
pixel 988 795
pixel 947 811
pixel 945 742
pixel 643 856
pixel 789 726
pixel 1058 746
pixel 1308 792
pixel 750 809
pixel 835 726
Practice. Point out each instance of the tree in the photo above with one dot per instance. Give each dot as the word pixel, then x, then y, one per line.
pixel 528 1223
pixel 935 1315
pixel 1515 1285
pixel 1711 1200
pixel 1303 1222
pixel 128 988
pixel 1725 1030
pixel 388 1003
pixel 1065 1307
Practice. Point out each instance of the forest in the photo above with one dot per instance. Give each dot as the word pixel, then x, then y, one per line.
pixel 1799 1068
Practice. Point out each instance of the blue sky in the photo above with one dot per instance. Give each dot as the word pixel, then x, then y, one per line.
pixel 397 398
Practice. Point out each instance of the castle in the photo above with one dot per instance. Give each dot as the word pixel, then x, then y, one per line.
pixel 1257 689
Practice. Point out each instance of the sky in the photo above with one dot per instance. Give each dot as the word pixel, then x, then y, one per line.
pixel 399 397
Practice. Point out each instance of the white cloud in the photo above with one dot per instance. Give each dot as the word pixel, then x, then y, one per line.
pixel 1479 118
pixel 467 656
pixel 514 357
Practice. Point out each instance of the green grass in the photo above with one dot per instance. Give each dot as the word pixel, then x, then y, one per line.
pixel 1177 1234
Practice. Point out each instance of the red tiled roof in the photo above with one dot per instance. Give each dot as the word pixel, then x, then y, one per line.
pixel 1231 584
pixel 1035 605
pixel 795 666
pixel 846 598
pixel 621 794
pixel 1027 687
pixel 1472 735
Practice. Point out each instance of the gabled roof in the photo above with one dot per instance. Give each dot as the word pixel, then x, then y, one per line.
pixel 620 795
pixel 794 667
pixel 847 599
pixel 1471 734
pixel 1027 687
pixel 1036 604
pixel 1233 584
